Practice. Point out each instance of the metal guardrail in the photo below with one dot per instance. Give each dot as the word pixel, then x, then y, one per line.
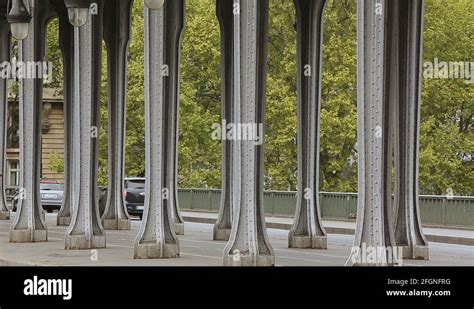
pixel 435 211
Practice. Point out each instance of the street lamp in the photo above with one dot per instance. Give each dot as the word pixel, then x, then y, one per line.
pixel 78 11
pixel 154 4
pixel 19 19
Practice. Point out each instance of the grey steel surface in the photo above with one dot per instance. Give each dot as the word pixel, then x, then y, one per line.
pixel 157 237
pixel 308 231
pixel 175 29
pixel 117 27
pixel 248 244
pixel 404 91
pixel 374 228
pixel 85 230
pixel 29 225
pixel 224 9
pixel 66 43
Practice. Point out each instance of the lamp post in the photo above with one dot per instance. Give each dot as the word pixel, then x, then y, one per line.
pixel 19 18
pixel 78 11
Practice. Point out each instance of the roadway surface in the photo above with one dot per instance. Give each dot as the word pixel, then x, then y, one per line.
pixel 197 249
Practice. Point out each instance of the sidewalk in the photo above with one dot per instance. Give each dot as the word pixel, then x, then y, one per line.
pixel 447 236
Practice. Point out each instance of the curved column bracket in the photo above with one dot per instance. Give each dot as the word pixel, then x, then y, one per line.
pixel 248 244
pixel 307 230
pixel 175 25
pixel 225 15
pixel 117 24
pixel 405 95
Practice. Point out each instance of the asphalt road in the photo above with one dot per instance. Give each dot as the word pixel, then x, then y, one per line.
pixel 198 249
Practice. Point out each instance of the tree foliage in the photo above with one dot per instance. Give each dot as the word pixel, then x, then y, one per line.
pixel 447 105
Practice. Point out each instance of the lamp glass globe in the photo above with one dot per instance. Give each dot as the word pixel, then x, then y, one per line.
pixel 78 16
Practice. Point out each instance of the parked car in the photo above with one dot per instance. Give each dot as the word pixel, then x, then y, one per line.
pixel 51 196
pixel 134 196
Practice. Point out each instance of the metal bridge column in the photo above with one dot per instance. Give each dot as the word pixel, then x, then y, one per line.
pixel 175 25
pixel 4 57
pixel 225 15
pixel 29 225
pixel 307 230
pixel 248 244
pixel 117 20
pixel 405 97
pixel 157 237
pixel 66 37
pixel 86 231
pixel 374 225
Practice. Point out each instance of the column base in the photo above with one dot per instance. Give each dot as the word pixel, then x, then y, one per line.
pixel 248 260
pixel 28 236
pixel 4 215
pixel 81 242
pixel 119 224
pixel 221 234
pixel 416 252
pixel 64 221
pixel 179 228
pixel 153 251
pixel 308 242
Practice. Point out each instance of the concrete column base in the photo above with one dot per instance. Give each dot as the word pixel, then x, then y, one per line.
pixel 81 242
pixel 416 252
pixel 28 236
pixel 248 260
pixel 221 234
pixel 153 251
pixel 308 242
pixel 120 224
pixel 4 215
pixel 179 228
pixel 64 221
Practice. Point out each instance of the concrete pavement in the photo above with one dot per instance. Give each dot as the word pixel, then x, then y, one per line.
pixel 197 249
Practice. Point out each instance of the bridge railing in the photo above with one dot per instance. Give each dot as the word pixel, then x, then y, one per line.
pixel 436 211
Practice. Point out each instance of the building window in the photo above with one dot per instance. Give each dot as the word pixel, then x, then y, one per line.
pixel 13 173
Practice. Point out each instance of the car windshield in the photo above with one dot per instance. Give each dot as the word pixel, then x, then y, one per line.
pixel 136 184
pixel 51 187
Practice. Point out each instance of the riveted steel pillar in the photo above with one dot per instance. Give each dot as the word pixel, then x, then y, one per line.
pixel 29 225
pixel 66 38
pixel 175 25
pixel 117 24
pixel 248 244
pixel 4 57
pixel 225 15
pixel 406 95
pixel 157 237
pixel 374 227
pixel 86 231
pixel 307 230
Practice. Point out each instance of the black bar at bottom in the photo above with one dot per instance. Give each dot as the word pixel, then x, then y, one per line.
pixel 226 286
